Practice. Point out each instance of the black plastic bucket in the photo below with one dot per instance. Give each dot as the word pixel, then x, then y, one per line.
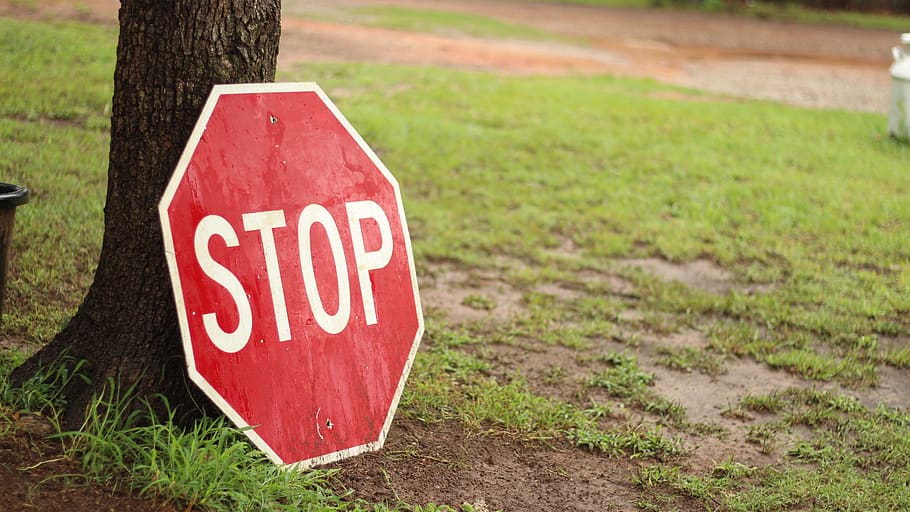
pixel 11 196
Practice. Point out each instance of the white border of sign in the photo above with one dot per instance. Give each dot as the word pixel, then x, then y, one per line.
pixel 167 198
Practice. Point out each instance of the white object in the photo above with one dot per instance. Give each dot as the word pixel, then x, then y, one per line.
pixel 899 109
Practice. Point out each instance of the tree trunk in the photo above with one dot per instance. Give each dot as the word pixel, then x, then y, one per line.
pixel 169 54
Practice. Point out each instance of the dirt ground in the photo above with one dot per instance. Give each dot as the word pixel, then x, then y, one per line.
pixel 34 476
pixel 813 66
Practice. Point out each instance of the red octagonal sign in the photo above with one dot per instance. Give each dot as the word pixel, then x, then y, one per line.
pixel 292 271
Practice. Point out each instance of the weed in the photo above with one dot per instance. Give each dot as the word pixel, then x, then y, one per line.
pixel 770 403
pixel 670 412
pixel 554 375
pixel 624 379
pixel 690 359
pixel 211 466
pixel 596 411
pixel 42 393
pixel 628 442
pixel 737 412
pixel 764 435
pixel 650 476
pixel 898 357
pixel 812 365
pixel 480 302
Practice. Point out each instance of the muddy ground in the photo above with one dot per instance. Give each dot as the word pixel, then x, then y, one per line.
pixel 814 66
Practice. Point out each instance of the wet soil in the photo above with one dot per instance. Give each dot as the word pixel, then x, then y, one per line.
pixel 442 463
pixel 35 476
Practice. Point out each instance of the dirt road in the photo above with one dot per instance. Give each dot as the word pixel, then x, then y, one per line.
pixel 807 65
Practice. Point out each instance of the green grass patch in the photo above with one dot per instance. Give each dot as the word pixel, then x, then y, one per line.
pixel 56 84
pixel 447 384
pixel 779 11
pixel 602 163
pixel 855 459
pixel 211 467
pixel 899 357
pixel 690 359
pixel 792 350
pixel 625 380
pixel 553 323
pixel 445 22
pixel 40 397
pixel 38 61
pixel 820 367
pixel 802 14
pixel 478 301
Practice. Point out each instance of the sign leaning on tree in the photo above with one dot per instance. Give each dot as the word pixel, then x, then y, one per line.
pixel 293 274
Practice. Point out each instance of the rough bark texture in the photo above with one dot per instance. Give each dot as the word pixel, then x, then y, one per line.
pixel 169 54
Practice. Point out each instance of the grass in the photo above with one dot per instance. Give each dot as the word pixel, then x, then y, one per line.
pixel 210 467
pixel 839 468
pixel 780 11
pixel 53 135
pixel 623 177
pixel 480 302
pixel 440 21
pixel 690 359
pixel 447 384
pixel 502 175
pixel 449 22
pixel 432 20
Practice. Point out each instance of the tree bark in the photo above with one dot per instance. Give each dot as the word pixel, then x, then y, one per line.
pixel 169 55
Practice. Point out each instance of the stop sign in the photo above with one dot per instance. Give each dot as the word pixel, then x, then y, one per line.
pixel 292 272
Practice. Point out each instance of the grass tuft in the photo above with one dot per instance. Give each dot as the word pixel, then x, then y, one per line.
pixel 209 467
